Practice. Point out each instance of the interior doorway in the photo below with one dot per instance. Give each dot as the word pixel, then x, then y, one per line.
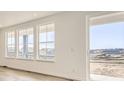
pixel 106 47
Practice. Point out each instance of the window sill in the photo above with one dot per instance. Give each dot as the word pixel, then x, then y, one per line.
pixel 27 59
pixel 10 57
pixel 45 60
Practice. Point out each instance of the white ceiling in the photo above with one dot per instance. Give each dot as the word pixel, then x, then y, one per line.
pixel 107 18
pixel 8 18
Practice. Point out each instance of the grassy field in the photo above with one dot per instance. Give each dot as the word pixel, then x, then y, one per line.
pixel 107 67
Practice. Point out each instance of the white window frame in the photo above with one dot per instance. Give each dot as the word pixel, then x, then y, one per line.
pixel 6 43
pixel 46 59
pixel 107 19
pixel 18 43
pixel 35 43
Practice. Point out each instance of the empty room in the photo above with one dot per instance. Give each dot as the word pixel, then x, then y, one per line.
pixel 37 45
pixel 61 46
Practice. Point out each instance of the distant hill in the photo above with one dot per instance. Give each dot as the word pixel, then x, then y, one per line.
pixel 107 51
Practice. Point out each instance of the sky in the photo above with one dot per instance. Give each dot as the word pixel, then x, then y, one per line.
pixel 107 36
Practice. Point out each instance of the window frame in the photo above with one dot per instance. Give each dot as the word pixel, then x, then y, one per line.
pixel 38 44
pixel 6 44
pixel 21 29
pixel 35 42
pixel 88 24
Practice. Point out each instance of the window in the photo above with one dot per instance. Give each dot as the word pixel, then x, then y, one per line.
pixel 20 43
pixel 107 50
pixel 26 43
pixel 10 44
pixel 46 49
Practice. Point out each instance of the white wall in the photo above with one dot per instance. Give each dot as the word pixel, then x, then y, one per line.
pixel 70 59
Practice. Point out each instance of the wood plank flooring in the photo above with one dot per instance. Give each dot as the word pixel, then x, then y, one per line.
pixel 8 74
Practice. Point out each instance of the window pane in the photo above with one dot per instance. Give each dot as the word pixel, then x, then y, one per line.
pixel 42 45
pixel 42 52
pixel 13 40
pixel 30 39
pixel 20 44
pixel 30 51
pixel 42 49
pixel 107 50
pixel 20 40
pixel 26 43
pixel 11 48
pixel 50 49
pixel 9 41
pixel 46 41
pixel 20 50
pixel 11 51
pixel 50 36
pixel 50 45
pixel 43 37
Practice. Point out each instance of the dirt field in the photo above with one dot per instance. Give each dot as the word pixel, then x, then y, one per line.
pixel 109 69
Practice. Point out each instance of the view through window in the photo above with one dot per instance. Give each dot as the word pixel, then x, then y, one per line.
pixel 107 49
pixel 21 42
pixel 10 44
pixel 26 43
pixel 46 42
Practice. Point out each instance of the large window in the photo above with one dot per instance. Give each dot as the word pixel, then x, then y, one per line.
pixel 21 43
pixel 107 51
pixel 46 44
pixel 26 43
pixel 10 44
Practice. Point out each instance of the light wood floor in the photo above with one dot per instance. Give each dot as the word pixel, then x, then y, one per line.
pixel 8 74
